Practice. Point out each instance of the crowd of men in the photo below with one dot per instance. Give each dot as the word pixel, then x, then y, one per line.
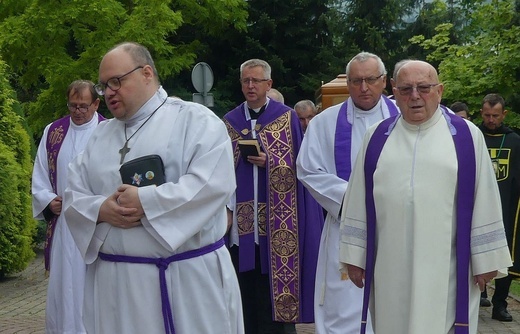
pixel 376 215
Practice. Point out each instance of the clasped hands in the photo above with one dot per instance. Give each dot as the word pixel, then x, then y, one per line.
pixel 357 276
pixel 122 209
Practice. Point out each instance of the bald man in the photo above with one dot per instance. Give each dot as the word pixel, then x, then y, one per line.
pixel 440 235
pixel 155 254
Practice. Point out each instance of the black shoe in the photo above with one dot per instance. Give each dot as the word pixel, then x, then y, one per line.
pixel 484 302
pixel 501 315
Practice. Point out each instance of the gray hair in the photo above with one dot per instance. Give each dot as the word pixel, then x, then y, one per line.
pixel 257 62
pixel 304 104
pixel 364 56
pixel 398 66
pixel 275 94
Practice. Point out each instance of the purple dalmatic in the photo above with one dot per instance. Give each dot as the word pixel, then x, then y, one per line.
pixel 289 219
pixel 466 176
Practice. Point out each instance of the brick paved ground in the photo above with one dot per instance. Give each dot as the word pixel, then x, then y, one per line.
pixel 22 306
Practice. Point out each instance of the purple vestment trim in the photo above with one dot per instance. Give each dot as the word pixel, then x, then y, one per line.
pixel 162 264
pixel 466 176
pixel 55 135
pixel 343 139
pixel 289 219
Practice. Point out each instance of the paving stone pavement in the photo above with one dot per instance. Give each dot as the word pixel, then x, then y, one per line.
pixel 22 306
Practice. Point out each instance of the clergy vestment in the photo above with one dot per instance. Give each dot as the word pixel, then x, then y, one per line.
pixel 281 217
pixel 414 284
pixel 63 309
pixel 184 214
pixel 324 165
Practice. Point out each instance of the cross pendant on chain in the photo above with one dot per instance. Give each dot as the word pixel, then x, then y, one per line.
pixel 123 151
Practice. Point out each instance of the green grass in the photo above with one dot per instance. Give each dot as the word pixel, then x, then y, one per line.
pixel 515 288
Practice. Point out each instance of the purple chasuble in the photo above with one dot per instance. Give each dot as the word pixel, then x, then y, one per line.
pixel 55 135
pixel 343 139
pixel 466 176
pixel 289 219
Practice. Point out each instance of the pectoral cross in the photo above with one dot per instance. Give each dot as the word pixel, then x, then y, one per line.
pixel 123 151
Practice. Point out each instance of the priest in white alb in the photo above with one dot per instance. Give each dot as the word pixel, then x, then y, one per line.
pixel 61 142
pixel 421 222
pixel 155 254
pixel 324 163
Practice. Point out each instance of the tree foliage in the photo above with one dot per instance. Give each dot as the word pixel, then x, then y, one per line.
pixel 48 44
pixel 292 36
pixel 16 223
pixel 487 61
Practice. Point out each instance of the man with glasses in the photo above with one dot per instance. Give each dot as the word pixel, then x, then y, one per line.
pixel 155 254
pixel 61 142
pixel 421 225
pixel 275 223
pixel 328 152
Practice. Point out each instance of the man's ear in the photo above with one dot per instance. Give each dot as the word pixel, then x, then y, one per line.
pixel 148 72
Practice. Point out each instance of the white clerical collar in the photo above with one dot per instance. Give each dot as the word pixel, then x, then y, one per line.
pixel 85 126
pixel 256 110
pixel 360 112
pixel 437 115
pixel 146 109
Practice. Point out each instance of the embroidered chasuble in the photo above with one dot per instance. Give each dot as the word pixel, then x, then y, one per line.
pixel 289 219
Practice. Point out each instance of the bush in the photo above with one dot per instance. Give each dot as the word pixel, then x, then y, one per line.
pixel 17 227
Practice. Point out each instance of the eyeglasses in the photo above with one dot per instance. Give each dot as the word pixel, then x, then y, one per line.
pixel 369 80
pixel 82 107
pixel 421 89
pixel 112 83
pixel 255 81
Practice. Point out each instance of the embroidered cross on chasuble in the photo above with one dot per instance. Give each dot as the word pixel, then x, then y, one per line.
pixel 283 210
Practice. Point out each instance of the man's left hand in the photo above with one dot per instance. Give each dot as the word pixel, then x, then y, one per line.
pixel 258 160
pixel 128 197
pixel 482 279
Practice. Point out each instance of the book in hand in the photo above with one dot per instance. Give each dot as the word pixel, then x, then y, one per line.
pixel 248 147
pixel 143 171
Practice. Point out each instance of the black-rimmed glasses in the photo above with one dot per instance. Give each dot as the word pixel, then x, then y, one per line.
pixel 112 83
pixel 82 107
pixel 369 80
pixel 421 89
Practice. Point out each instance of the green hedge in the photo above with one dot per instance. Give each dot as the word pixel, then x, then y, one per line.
pixel 17 227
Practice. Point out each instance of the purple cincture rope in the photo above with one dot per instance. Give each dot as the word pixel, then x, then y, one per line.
pixel 162 264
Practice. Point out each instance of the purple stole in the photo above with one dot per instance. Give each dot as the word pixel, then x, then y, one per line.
pixel 466 175
pixel 56 134
pixel 289 219
pixel 343 139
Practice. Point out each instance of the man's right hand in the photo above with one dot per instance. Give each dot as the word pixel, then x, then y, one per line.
pixel 55 205
pixel 356 275
pixel 116 215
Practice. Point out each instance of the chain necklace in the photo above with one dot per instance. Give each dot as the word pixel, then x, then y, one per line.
pixel 125 149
